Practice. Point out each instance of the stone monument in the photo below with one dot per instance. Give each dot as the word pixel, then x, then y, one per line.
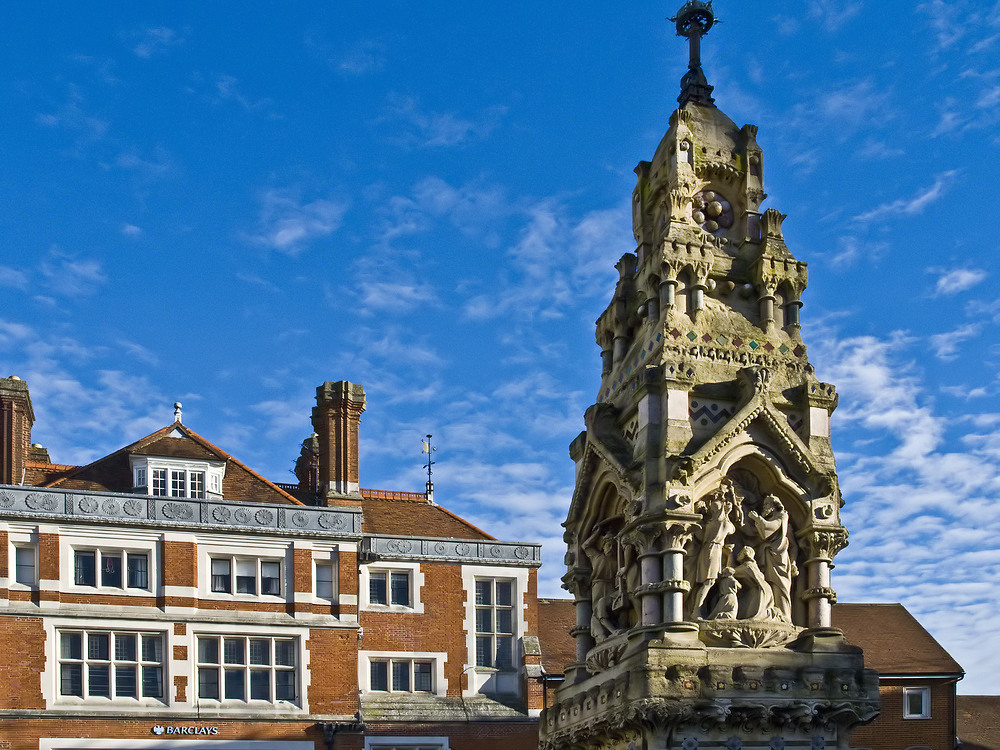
pixel 706 513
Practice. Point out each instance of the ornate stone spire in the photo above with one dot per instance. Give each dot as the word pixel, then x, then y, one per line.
pixel 693 21
pixel 706 514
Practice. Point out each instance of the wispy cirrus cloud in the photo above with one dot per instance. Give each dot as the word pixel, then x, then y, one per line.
pixel 13 278
pixel 73 117
pixel 946 345
pixel 228 89
pixel 68 275
pixel 955 280
pixel 156 41
pixel 833 14
pixel 852 249
pixel 366 57
pixel 287 223
pixel 557 259
pixel 395 296
pixel 913 205
pixel 906 466
pixel 473 208
pixel 428 129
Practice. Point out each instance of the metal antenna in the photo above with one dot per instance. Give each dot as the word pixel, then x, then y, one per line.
pixel 429 450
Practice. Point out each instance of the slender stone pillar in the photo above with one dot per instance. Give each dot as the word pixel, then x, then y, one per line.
pixel 792 313
pixel 653 309
pixel 766 310
pixel 668 292
pixel 619 348
pixel 584 638
pixel 651 576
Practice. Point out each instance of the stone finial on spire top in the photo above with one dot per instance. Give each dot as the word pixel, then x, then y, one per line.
pixel 693 21
pixel 177 411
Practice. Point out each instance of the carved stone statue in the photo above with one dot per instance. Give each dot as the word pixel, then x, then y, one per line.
pixel 727 606
pixel 604 564
pixel 757 601
pixel 628 580
pixel 716 528
pixel 772 528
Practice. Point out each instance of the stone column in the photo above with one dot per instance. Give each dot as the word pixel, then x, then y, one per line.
pixel 668 292
pixel 822 545
pixel 792 309
pixel 674 585
pixel 697 298
pixel 766 303
pixel 653 309
pixel 607 361
pixel 584 638
pixel 620 345
pixel 652 570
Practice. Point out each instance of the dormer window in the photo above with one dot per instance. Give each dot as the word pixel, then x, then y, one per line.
pixel 174 477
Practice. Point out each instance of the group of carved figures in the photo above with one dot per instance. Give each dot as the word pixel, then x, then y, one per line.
pixel 757 584
pixel 740 566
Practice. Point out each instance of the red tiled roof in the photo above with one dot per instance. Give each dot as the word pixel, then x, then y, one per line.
pixel 38 473
pixel 409 514
pixel 892 639
pixel 555 618
pixel 113 474
pixel 978 720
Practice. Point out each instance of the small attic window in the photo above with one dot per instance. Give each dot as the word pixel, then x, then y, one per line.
pixel 175 477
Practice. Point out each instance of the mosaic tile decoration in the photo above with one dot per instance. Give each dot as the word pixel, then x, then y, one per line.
pixel 735 343
pixel 705 414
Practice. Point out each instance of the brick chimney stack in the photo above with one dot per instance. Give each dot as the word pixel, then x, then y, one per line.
pixel 335 419
pixel 16 418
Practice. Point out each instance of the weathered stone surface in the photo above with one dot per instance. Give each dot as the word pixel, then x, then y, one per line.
pixel 706 510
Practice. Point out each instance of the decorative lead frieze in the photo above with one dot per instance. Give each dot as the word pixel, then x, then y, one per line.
pixel 475 552
pixel 53 504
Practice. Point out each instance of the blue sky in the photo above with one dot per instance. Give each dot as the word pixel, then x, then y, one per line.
pixel 227 204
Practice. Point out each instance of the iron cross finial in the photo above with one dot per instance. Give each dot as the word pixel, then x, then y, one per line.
pixel 693 22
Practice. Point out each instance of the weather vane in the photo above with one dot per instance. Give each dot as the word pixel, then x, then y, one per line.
pixel 693 22
pixel 429 450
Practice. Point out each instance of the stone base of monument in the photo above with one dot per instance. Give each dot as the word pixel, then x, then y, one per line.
pixel 648 694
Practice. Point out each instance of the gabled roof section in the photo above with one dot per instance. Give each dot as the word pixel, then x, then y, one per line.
pixel 112 473
pixel 893 641
pixel 409 514
pixel 758 409
pixel 604 446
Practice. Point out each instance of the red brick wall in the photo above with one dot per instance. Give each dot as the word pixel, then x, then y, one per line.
pixel 22 659
pixel 438 628
pixel 333 670
pixel 180 564
pixel 892 732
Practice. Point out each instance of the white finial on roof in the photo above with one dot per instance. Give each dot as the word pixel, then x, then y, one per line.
pixel 177 411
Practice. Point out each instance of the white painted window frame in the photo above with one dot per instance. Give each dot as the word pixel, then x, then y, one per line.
pixel 416 586
pixel 263 550
pixel 142 475
pixel 109 540
pixel 926 693
pixel 437 659
pixel 485 679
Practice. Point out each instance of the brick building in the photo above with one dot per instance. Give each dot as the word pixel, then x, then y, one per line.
pixel 166 595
